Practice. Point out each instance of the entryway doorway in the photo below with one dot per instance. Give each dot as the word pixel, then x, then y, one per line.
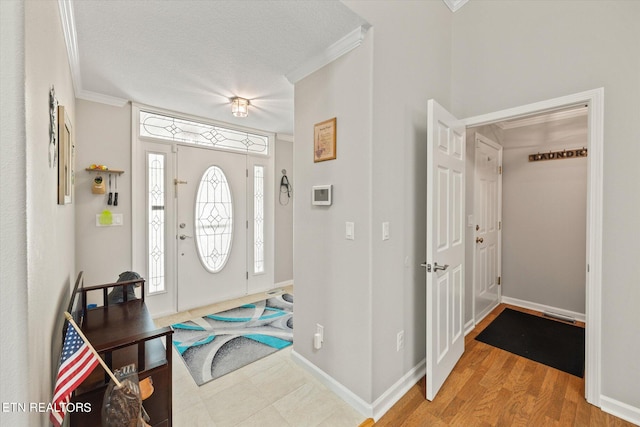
pixel 202 209
pixel 594 101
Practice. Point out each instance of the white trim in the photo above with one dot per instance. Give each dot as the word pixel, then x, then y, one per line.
pixel 551 117
pixel 620 409
pixel 543 307
pixel 330 54
pixel 70 38
pixel 343 392
pixel 468 327
pixel 284 137
pixel 88 95
pixel 398 390
pixel 283 284
pixel 382 404
pixel 454 5
pixel 595 100
pixel 67 19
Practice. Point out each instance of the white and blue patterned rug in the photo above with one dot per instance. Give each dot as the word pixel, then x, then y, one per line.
pixel 214 345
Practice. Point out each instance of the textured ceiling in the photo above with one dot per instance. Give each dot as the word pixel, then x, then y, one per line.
pixel 192 56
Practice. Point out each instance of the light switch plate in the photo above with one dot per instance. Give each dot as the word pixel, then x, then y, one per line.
pixel 385 230
pixel 350 232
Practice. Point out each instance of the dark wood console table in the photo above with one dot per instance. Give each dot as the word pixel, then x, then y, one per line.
pixel 123 333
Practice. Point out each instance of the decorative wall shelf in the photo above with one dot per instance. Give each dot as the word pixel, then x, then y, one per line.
pixel 119 172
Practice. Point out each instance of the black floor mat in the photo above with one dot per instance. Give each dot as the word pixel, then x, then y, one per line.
pixel 552 343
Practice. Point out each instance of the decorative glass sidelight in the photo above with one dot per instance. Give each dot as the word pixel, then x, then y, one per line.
pixel 202 134
pixel 258 219
pixel 214 219
pixel 156 222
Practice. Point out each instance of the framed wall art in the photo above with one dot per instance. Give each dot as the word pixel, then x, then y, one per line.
pixel 324 140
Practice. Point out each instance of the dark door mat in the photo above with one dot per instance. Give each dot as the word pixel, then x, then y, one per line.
pixel 552 343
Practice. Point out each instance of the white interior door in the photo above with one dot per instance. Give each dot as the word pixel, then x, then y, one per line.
pixel 445 245
pixel 488 208
pixel 211 236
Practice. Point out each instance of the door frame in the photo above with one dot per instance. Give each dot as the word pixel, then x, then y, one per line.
pixel 138 200
pixel 490 142
pixel 594 100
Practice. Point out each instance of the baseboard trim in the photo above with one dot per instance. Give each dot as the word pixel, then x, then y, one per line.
pixel 382 404
pixel 620 409
pixel 343 392
pixel 468 327
pixel 397 390
pixel 283 284
pixel 542 307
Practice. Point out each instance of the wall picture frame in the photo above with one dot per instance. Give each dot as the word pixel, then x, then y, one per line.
pixel 324 140
pixel 65 157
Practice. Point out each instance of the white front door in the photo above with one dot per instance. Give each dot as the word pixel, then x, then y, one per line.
pixel 211 189
pixel 445 244
pixel 487 212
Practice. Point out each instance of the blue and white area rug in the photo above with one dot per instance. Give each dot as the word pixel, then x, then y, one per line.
pixel 214 345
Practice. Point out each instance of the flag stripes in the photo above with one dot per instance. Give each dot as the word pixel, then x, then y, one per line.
pixel 76 363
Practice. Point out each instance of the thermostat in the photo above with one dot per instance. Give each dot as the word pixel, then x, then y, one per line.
pixel 321 195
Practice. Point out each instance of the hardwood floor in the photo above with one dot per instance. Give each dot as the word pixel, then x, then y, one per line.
pixel 492 387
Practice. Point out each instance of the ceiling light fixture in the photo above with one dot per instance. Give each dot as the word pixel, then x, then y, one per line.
pixel 240 107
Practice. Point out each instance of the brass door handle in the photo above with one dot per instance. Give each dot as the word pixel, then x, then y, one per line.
pixel 479 240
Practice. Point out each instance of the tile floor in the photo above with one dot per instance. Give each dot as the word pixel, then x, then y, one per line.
pixel 271 392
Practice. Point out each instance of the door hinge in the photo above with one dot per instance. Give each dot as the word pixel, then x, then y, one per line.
pixel 247 170
pixel 247 275
pixel 499 170
pixel 499 225
pixel 247 224
pixel 499 280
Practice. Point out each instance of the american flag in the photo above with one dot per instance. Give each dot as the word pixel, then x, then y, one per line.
pixel 76 363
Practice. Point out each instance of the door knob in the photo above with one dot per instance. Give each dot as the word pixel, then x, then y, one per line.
pixel 479 240
pixel 184 236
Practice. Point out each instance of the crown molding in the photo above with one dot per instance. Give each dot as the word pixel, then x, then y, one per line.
pixel 284 137
pixel 88 95
pixel 455 4
pixel 551 117
pixel 70 38
pixel 333 52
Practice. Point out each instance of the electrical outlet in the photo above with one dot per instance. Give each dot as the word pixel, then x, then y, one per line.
pixel 400 341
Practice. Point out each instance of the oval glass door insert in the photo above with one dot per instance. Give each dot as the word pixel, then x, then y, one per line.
pixel 214 219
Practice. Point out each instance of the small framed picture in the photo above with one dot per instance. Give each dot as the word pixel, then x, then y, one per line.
pixel 324 140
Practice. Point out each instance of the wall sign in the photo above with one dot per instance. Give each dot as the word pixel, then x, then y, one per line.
pixel 559 155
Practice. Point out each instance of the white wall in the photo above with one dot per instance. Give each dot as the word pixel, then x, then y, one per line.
pixel 411 63
pixel 13 222
pixel 545 216
pixel 369 290
pixel 332 275
pixel 507 54
pixel 103 134
pixel 50 227
pixel 283 212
